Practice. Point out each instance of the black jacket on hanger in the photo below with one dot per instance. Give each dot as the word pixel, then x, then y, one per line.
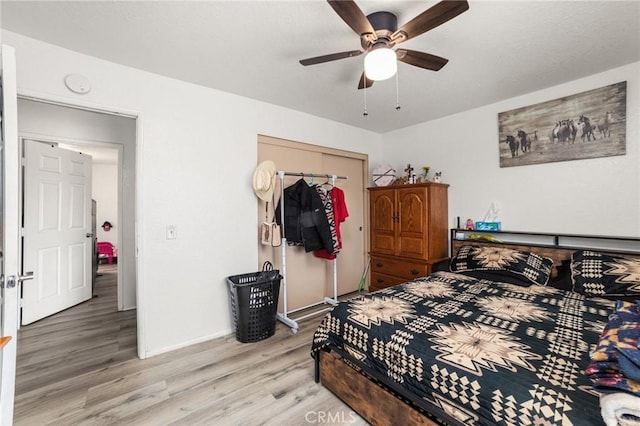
pixel 305 220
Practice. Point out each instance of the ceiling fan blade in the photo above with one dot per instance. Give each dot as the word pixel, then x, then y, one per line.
pixel 431 18
pixel 364 80
pixel 421 59
pixel 353 16
pixel 331 57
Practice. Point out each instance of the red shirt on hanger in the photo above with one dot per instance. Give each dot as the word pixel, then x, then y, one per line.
pixel 340 214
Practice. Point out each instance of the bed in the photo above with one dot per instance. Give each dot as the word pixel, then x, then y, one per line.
pixel 479 345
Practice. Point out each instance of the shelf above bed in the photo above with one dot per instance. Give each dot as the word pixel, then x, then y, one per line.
pixel 616 244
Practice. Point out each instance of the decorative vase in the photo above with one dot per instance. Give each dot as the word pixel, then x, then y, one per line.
pixel 425 173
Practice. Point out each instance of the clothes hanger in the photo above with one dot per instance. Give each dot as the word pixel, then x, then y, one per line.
pixel 303 178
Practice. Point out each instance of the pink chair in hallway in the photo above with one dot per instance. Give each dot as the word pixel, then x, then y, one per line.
pixel 107 250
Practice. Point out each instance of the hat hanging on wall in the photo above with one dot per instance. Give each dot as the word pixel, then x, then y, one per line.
pixel 264 180
pixel 107 226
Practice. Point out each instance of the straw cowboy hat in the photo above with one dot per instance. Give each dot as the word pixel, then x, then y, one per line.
pixel 264 180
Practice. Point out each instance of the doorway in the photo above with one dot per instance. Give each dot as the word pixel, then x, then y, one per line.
pixel 111 140
pixel 57 234
pixel 92 131
pixel 48 191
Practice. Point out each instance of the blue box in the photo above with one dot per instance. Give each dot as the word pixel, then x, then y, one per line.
pixel 488 226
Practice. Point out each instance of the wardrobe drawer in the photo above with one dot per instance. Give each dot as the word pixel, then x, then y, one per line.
pixel 401 268
pixel 380 281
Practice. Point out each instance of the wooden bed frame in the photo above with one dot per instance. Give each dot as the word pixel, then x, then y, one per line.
pixel 380 406
pixel 372 402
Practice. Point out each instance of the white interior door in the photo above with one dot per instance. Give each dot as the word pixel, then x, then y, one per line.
pixel 57 229
pixel 9 227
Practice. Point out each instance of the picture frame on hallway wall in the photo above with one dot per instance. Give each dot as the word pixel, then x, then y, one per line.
pixel 589 124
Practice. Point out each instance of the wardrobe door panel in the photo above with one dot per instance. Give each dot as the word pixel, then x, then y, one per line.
pixel 412 223
pixel 352 257
pixel 383 221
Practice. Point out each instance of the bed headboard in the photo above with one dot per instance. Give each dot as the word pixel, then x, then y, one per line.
pixel 557 247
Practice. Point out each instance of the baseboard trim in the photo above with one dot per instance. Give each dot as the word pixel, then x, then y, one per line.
pixel 223 333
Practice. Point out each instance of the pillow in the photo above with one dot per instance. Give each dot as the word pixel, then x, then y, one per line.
pixel 599 274
pixel 500 275
pixel 534 268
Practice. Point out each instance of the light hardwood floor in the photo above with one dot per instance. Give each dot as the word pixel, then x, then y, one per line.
pixel 80 367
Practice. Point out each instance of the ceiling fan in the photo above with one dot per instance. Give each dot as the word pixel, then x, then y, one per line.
pixel 379 33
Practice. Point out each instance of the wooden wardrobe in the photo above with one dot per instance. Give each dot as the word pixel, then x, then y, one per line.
pixel 409 231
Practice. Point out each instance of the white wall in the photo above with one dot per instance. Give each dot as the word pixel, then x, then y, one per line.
pixel 596 196
pixel 198 149
pixel 105 192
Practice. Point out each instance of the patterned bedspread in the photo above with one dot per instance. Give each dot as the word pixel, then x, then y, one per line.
pixel 481 351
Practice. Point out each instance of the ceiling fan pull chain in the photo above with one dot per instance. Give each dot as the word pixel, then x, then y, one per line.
pixel 397 94
pixel 365 113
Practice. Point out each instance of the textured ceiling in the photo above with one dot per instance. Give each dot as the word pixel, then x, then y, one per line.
pixel 496 49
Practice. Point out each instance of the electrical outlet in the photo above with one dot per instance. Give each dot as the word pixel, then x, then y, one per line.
pixel 172 232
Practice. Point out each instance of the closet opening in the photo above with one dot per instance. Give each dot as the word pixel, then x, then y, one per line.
pixel 310 279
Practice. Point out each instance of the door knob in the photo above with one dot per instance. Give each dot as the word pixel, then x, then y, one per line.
pixel 13 280
pixel 26 277
pixel 88 235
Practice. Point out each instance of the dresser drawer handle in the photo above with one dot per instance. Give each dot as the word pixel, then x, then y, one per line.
pixel 380 280
pixel 379 264
pixel 415 272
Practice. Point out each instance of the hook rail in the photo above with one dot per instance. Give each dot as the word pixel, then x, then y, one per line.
pixel 301 174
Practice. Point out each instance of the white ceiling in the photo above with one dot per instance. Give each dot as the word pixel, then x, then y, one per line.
pixel 496 49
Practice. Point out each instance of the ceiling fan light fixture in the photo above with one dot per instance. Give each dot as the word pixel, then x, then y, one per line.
pixel 380 64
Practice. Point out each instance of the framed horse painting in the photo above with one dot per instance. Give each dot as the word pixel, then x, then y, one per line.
pixel 590 124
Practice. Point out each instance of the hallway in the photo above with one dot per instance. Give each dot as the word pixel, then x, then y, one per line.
pixel 60 348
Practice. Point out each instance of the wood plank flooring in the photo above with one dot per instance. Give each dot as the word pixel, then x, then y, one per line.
pixel 80 367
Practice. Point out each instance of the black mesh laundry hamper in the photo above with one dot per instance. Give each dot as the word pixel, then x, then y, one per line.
pixel 254 303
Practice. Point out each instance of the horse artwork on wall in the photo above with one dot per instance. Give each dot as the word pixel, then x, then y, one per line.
pixel 590 124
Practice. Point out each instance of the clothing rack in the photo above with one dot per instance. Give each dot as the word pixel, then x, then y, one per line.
pixel 284 315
